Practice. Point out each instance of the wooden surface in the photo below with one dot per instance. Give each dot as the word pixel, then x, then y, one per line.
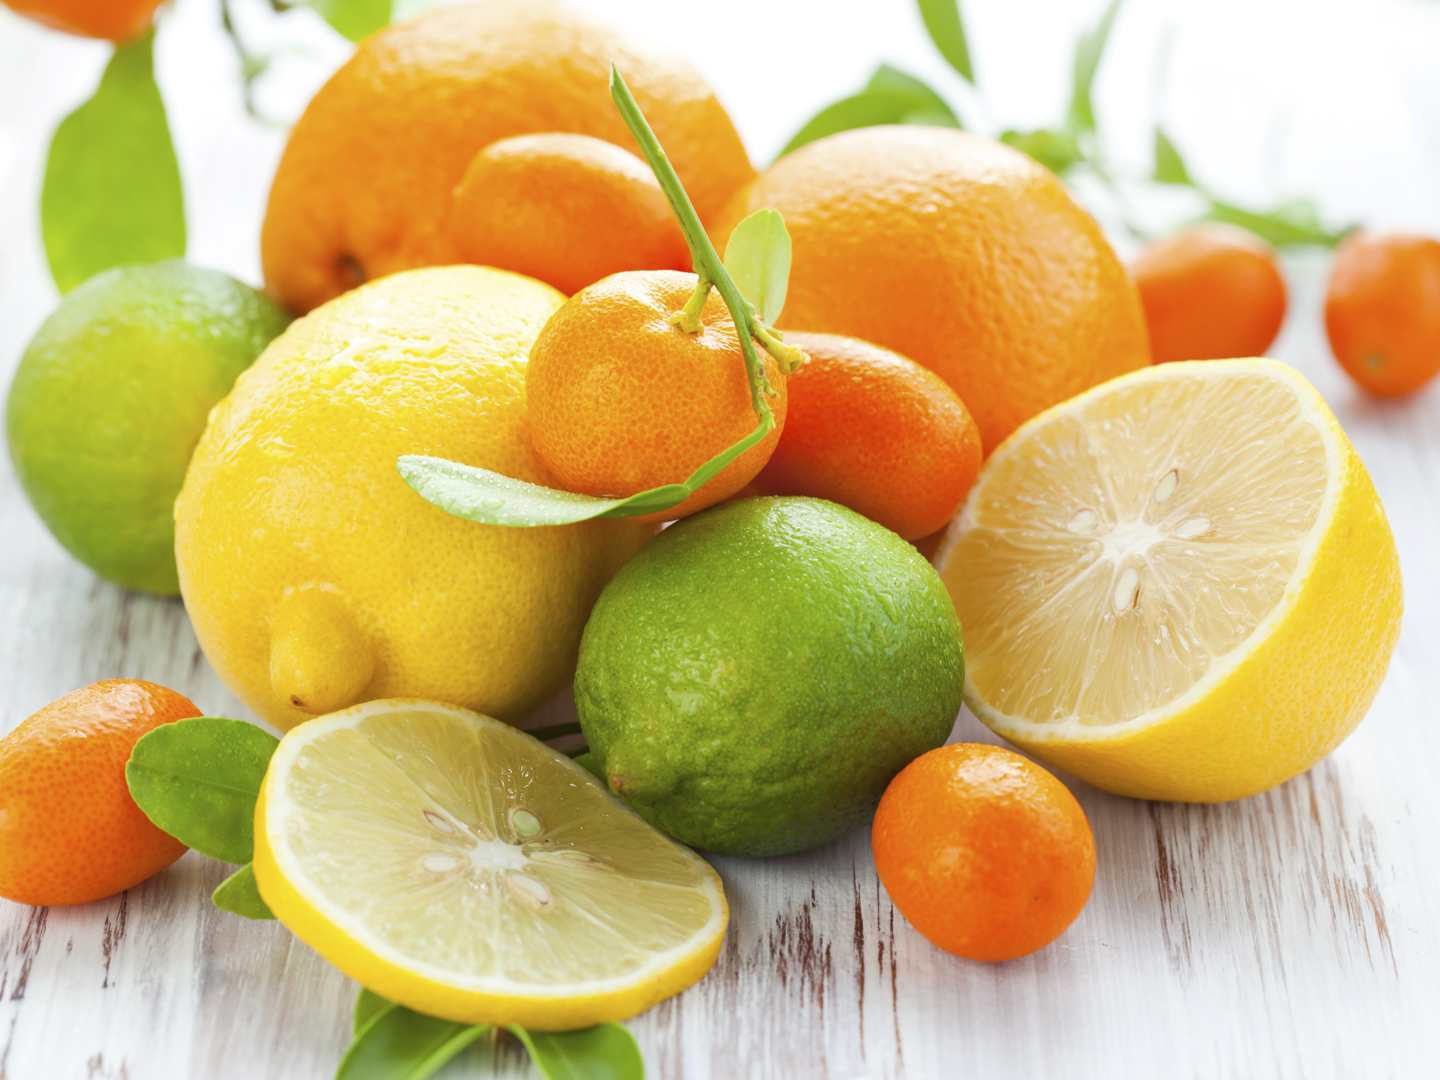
pixel 1293 934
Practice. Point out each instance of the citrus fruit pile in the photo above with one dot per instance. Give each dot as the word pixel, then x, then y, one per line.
pixel 435 498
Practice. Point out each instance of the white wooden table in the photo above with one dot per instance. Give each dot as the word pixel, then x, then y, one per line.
pixel 1294 934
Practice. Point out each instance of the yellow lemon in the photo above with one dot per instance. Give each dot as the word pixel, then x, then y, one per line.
pixel 1177 585
pixel 316 579
pixel 465 870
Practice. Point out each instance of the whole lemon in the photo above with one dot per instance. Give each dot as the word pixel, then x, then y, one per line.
pixel 317 579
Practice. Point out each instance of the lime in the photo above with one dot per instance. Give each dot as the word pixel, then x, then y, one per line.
pixel 756 675
pixel 460 867
pixel 110 399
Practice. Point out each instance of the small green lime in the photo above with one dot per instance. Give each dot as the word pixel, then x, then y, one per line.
pixel 110 399
pixel 752 680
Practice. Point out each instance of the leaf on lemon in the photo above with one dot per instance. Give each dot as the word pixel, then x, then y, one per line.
pixel 947 31
pixel 1056 150
pixel 604 1052
pixel 367 1004
pixel 112 191
pixel 396 1043
pixel 198 779
pixel 1088 52
pixel 758 258
pixel 239 895
pixel 1169 165
pixel 356 19
pixel 927 101
pixel 876 105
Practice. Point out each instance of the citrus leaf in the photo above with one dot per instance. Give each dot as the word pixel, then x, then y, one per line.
pixel 758 258
pixel 239 895
pixel 1088 51
pixel 356 19
pixel 367 1004
pixel 1290 225
pixel 605 1052
pixel 112 190
pixel 396 1043
pixel 927 101
pixel 1056 150
pixel 869 108
pixel 1169 165
pixel 198 779
pixel 947 31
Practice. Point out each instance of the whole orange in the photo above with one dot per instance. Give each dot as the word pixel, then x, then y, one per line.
pixel 1382 310
pixel 1210 292
pixel 984 852
pixel 365 184
pixel 958 252
pixel 567 209
pixel 621 400
pixel 874 431
pixel 69 831
pixel 115 20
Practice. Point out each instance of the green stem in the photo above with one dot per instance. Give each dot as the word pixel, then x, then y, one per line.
pixel 707 262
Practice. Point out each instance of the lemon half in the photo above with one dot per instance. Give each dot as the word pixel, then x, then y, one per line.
pixel 459 867
pixel 1178 585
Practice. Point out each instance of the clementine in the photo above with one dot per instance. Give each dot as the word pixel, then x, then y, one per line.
pixel 1210 292
pixel 69 831
pixel 874 431
pixel 958 252
pixel 115 20
pixel 365 184
pixel 983 851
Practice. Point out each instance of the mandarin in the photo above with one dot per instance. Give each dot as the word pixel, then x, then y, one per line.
pixel 1382 310
pixel 69 830
pixel 621 400
pixel 958 252
pixel 874 431
pixel 114 20
pixel 983 851
pixel 1210 292
pixel 567 209
pixel 365 184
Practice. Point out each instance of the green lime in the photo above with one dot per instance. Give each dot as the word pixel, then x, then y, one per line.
pixel 751 681
pixel 110 399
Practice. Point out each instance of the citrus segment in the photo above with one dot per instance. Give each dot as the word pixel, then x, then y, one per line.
pixel 460 867
pixel 1178 585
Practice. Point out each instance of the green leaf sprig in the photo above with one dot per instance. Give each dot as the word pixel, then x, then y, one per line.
pixel 758 253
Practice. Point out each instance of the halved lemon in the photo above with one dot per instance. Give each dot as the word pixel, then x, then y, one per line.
pixel 1178 585
pixel 459 867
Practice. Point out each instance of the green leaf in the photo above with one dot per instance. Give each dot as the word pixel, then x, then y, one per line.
pixel 758 258
pixel 942 19
pixel 927 101
pixel 869 108
pixel 367 1004
pixel 356 19
pixel 239 895
pixel 1292 224
pixel 112 190
pixel 198 780
pixel 396 1043
pixel 1088 52
pixel 606 1052
pixel 1169 165
pixel 1056 150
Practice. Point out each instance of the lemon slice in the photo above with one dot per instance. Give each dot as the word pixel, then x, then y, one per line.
pixel 1178 585
pixel 458 866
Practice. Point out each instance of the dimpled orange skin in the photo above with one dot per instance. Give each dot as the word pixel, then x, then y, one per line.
pixel 983 851
pixel 365 184
pixel 112 20
pixel 874 431
pixel 958 252
pixel 1210 292
pixel 622 401
pixel 1382 310
pixel 69 831
pixel 567 209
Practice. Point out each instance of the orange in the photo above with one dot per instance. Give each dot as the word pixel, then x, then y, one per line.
pixel 958 252
pixel 874 431
pixel 567 209
pixel 1210 292
pixel 622 401
pixel 365 184
pixel 983 851
pixel 115 20
pixel 1382 310
pixel 69 831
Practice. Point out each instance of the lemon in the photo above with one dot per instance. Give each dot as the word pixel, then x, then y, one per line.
pixel 456 865
pixel 316 579
pixel 1178 585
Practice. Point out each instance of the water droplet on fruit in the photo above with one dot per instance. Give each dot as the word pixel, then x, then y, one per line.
pixel 1085 520
pixel 528 890
pixel 1167 485
pixel 524 822
pixel 439 864
pixel 1196 526
pixel 439 822
pixel 1127 585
